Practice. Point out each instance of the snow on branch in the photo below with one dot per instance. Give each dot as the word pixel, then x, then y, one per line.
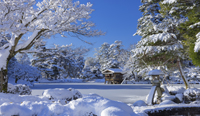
pixel 23 18
pixel 27 42
pixel 58 16
pixel 197 43
pixel 169 1
pixel 194 25
pixel 164 37
pixel 4 53
pixel 152 50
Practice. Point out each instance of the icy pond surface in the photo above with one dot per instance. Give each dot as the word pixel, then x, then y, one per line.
pixel 127 93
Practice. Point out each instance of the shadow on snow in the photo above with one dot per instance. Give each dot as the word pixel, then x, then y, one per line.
pixel 88 86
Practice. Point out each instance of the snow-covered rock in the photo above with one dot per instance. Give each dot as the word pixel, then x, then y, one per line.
pixel 192 94
pixel 58 93
pixel 62 95
pixel 175 89
pixel 76 93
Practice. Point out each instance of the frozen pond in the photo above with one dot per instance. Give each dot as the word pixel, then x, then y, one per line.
pixel 127 93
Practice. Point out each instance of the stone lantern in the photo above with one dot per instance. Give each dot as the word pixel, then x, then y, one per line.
pixel 156 81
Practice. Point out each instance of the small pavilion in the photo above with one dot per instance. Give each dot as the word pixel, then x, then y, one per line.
pixel 113 75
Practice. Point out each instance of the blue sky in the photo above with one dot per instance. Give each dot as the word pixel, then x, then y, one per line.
pixel 118 18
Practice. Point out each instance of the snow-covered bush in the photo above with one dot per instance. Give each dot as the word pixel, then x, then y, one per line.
pixel 191 94
pixel 62 95
pixel 179 94
pixel 19 89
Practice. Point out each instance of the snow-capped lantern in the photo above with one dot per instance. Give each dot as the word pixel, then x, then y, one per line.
pixel 156 86
pixel 155 74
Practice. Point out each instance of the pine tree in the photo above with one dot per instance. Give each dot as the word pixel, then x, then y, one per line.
pixel 188 9
pixel 103 55
pixel 94 65
pixel 161 43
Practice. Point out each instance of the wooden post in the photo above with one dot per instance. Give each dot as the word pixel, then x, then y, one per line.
pixel 187 85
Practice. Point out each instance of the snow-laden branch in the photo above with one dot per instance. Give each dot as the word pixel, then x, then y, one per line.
pixel 23 18
pixel 27 42
pixel 163 37
pixel 4 53
pixel 197 43
pixel 194 25
pixel 152 50
pixel 169 1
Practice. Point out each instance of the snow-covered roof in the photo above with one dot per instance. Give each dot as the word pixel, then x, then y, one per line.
pixel 113 70
pixel 155 72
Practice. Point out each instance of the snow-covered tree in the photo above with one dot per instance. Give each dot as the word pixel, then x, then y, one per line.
pixel 60 61
pixel 93 65
pixel 23 58
pixel 87 73
pixel 112 55
pixel 23 18
pixel 103 55
pixel 190 29
pixel 18 71
pixel 161 43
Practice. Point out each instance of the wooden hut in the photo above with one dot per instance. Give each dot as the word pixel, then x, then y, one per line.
pixel 113 75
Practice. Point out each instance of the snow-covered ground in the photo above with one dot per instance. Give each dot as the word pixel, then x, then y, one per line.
pixel 93 99
pixel 127 93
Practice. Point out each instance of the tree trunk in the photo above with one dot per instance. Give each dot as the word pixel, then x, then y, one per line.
pixel 4 76
pixel 182 74
pixel 4 81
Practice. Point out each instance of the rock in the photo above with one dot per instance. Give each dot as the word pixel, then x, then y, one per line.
pixel 176 100
pixel 180 97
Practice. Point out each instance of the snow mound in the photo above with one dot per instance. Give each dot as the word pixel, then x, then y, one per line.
pixel 28 105
pixel 166 96
pixel 98 106
pixel 139 103
pixel 166 102
pixel 114 111
pixel 19 89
